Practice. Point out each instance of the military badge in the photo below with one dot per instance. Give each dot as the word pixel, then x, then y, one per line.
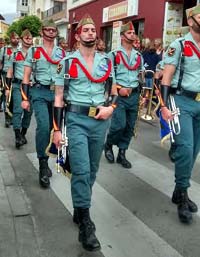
pixel 59 68
pixel 171 51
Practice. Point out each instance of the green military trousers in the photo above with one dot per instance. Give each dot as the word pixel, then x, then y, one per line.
pixel 86 140
pixel 123 121
pixel 21 118
pixel 188 141
pixel 42 100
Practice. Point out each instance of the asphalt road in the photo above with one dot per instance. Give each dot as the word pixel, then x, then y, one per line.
pixel 131 208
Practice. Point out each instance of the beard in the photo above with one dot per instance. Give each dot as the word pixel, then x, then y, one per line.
pixel 49 38
pixel 196 28
pixel 15 44
pixel 88 44
pixel 129 40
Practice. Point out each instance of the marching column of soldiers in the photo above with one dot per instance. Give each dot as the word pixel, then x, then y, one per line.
pixel 84 90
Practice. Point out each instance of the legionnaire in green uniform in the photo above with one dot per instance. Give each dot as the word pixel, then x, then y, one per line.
pixel 21 119
pixel 86 121
pixel 42 62
pixel 5 55
pixel 128 63
pixel 181 77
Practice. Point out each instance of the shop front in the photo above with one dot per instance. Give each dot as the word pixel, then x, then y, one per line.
pixel 162 19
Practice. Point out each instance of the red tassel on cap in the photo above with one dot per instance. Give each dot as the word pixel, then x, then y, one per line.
pixel 187 51
pixel 117 58
pixel 73 72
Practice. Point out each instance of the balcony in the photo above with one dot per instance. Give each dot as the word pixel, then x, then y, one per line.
pixel 59 11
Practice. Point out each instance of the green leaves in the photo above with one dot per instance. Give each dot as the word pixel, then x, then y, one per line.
pixel 32 23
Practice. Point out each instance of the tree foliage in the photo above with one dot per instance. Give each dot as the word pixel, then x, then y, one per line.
pixel 32 23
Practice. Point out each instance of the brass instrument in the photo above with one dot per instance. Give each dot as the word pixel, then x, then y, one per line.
pixel 140 107
pixel 148 96
pixel 174 125
pixel 62 161
pixel 9 103
pixel 61 154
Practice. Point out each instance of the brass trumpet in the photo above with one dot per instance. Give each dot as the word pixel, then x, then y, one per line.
pixel 63 152
pixel 174 125
pixel 147 93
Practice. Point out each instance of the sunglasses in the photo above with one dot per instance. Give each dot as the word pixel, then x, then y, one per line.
pixel 50 29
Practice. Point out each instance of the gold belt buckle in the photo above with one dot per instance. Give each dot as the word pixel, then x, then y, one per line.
pixel 92 111
pixel 197 98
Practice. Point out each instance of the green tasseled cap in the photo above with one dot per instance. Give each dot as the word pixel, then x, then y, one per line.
pixel 127 26
pixel 85 20
pixel 25 33
pixel 49 23
pixel 193 11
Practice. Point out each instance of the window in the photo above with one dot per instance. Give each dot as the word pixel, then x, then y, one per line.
pixel 25 2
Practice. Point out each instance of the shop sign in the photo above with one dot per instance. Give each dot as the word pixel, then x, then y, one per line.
pixel 121 10
pixel 173 22
pixel 116 40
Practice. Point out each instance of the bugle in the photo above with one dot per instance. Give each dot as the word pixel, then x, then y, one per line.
pixel 174 124
pixel 63 155
pixel 147 94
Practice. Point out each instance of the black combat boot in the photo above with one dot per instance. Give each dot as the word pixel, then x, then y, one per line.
pixel 176 199
pixel 121 158
pixel 184 213
pixel 23 133
pixel 43 173
pixel 18 138
pixel 86 231
pixel 7 120
pixel 109 153
pixel 49 171
pixel 76 220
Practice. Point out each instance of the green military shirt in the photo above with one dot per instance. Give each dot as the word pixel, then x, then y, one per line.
pixel 191 74
pixel 45 71
pixel 18 58
pixel 83 91
pixel 160 66
pixel 7 51
pixel 125 77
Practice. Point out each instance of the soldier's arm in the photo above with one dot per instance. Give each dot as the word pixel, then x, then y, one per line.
pixel 58 115
pixel 168 74
pixel 9 72
pixel 27 74
pixel 9 76
pixel 59 91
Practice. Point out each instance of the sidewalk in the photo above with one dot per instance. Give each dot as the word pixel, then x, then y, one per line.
pixel 17 231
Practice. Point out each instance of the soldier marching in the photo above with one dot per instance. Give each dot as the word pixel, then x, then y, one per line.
pixel 97 96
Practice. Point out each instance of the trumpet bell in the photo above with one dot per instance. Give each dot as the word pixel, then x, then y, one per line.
pixel 147 117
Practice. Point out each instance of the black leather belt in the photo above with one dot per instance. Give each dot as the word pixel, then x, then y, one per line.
pixel 18 81
pixel 194 95
pixel 90 111
pixel 39 85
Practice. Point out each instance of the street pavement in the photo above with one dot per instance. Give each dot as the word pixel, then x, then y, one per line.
pixel 132 208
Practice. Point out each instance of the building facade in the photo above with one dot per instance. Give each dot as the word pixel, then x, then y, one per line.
pixel 3 28
pixel 152 19
pixel 51 9
pixel 23 7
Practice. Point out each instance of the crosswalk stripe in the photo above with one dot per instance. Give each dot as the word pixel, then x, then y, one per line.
pixel 120 232
pixel 158 176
